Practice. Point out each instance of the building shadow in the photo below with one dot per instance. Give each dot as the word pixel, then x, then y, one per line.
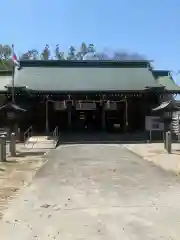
pixel 11 161
pixel 176 151
pixel 30 154
pixel 101 138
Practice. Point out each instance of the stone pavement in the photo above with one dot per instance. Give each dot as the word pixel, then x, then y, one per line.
pixel 94 192
pixel 155 153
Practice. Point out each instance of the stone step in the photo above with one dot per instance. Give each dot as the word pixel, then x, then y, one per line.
pixel 40 142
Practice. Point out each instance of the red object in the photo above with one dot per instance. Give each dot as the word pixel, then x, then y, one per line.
pixel 14 57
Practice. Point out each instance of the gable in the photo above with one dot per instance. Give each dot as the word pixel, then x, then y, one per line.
pixel 164 78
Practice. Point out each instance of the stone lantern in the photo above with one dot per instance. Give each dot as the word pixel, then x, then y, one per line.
pixel 12 113
pixel 166 110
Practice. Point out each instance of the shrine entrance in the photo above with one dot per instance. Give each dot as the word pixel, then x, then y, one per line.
pixel 86 116
pixel 58 117
pixel 116 117
pixel 89 116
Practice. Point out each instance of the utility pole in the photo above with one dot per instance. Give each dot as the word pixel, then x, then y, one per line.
pixel 13 73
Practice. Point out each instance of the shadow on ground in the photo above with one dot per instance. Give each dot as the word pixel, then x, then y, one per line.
pixel 99 138
pixel 30 154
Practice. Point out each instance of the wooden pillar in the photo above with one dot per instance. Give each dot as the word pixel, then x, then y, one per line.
pixel 69 110
pixel 47 116
pixel 103 117
pixel 126 116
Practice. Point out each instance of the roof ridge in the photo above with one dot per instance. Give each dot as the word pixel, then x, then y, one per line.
pixel 86 63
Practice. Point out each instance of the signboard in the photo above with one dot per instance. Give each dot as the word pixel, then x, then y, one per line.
pixel 10 115
pixel 85 106
pixel 59 106
pixel 111 106
pixel 152 123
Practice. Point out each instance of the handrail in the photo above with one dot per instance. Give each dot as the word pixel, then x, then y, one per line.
pixel 55 135
pixel 28 133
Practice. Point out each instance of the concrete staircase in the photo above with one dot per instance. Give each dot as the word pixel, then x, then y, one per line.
pixel 36 141
pixel 40 142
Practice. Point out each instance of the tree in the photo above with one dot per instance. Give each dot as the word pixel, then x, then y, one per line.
pixel 25 56
pixel 91 48
pixel 86 52
pixel 91 53
pixel 45 55
pixel 82 52
pixel 5 52
pixel 6 64
pixel 58 54
pixel 30 55
pixel 5 57
pixel 72 53
pixel 34 54
pixel 84 48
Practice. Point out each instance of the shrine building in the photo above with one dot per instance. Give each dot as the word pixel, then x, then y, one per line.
pixel 112 96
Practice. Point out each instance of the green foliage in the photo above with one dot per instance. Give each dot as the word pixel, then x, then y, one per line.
pixel 5 52
pixel 72 54
pixel 58 54
pixel 5 57
pixel 30 55
pixel 45 55
pixel 6 64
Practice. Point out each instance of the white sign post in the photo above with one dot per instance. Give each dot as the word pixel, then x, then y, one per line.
pixel 60 105
pixel 85 106
pixel 153 123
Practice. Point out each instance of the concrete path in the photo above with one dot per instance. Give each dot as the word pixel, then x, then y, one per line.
pixel 96 192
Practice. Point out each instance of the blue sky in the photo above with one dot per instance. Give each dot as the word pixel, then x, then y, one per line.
pixel 148 27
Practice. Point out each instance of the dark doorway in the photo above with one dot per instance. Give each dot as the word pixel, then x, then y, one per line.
pixel 88 120
pixel 61 120
pixel 116 119
pixel 39 117
pixel 58 119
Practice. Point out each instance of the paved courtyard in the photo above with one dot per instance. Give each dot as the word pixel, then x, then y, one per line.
pixel 96 191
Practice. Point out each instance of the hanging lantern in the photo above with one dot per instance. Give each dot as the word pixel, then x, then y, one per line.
pixel 108 104
pixel 80 104
pixel 60 105
pixel 64 104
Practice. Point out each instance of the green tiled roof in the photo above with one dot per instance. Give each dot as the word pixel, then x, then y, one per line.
pixel 165 78
pixel 86 76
